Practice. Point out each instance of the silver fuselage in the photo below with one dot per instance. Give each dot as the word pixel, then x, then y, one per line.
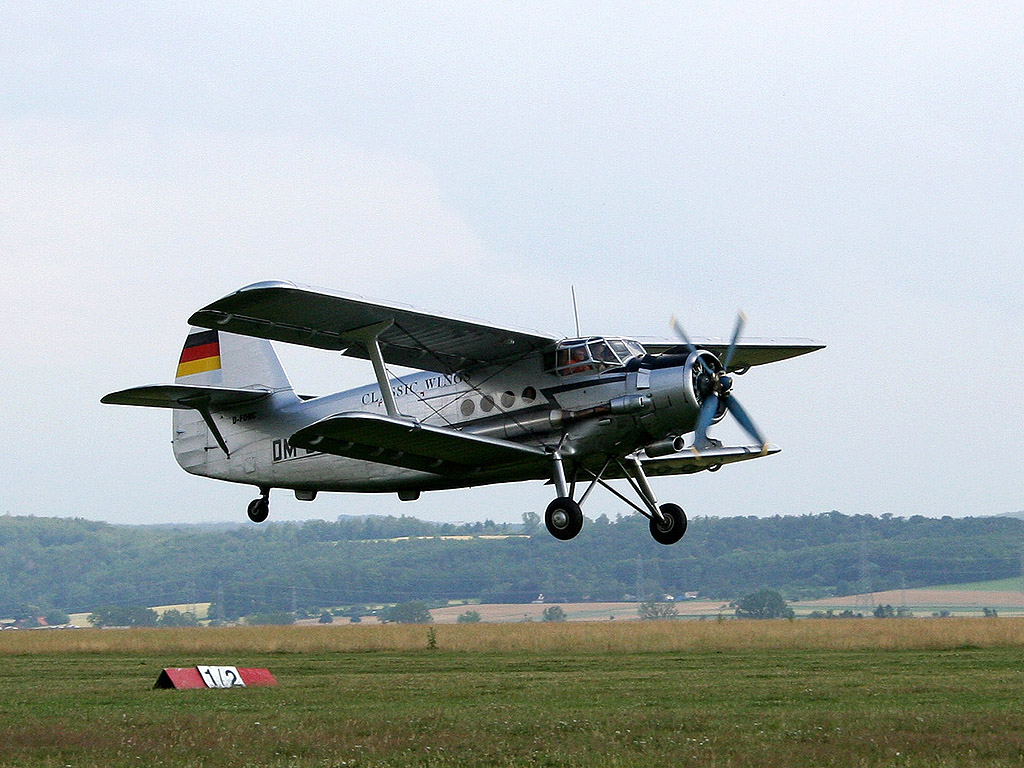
pixel 591 414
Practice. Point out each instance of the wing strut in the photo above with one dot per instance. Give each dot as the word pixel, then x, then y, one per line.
pixel 367 336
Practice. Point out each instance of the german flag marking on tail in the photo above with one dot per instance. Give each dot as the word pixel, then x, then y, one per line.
pixel 201 354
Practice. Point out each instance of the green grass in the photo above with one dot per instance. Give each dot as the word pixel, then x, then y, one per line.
pixel 768 705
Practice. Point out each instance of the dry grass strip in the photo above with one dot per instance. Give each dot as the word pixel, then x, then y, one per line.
pixel 578 637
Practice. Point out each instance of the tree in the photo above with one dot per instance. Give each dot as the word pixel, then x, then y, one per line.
pixel 325 618
pixel 653 610
pixel 469 617
pixel 28 616
pixel 172 617
pixel 81 565
pixel 412 612
pixel 55 617
pixel 763 604
pixel 531 520
pixel 553 613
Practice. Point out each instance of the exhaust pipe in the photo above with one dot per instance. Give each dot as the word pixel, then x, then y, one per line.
pixel 665 447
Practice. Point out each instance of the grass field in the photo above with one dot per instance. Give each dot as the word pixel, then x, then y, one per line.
pixel 917 692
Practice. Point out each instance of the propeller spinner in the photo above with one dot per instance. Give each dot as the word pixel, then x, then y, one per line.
pixel 715 386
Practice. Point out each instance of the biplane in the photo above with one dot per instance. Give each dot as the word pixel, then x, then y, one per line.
pixel 484 404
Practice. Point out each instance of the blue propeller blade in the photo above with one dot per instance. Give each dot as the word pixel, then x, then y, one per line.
pixel 682 334
pixel 689 345
pixel 744 419
pixel 722 385
pixel 741 320
pixel 707 414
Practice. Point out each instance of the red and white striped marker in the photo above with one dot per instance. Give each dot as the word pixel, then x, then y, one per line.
pixel 207 676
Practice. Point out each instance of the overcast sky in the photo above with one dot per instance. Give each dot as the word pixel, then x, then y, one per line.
pixel 852 173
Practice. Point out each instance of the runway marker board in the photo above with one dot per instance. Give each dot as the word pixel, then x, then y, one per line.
pixel 210 676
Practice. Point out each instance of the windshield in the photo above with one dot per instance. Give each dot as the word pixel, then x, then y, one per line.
pixel 594 354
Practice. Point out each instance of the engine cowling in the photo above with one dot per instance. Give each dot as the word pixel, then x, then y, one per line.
pixel 697 381
pixel 675 391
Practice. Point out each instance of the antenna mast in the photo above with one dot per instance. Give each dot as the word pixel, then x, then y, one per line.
pixel 575 310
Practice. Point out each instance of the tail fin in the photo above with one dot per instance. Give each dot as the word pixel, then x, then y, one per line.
pixel 213 358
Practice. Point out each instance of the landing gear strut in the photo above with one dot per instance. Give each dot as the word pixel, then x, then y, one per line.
pixel 259 508
pixel 564 515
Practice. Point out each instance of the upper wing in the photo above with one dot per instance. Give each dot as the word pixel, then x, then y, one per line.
pixel 748 351
pixel 284 311
pixel 403 443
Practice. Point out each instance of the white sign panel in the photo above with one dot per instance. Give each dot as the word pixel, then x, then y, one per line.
pixel 220 677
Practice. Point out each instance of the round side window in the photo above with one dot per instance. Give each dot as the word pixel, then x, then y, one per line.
pixel 529 394
pixel 508 399
pixel 467 407
pixel 486 403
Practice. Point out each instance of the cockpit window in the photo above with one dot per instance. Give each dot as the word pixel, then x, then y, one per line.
pixel 594 354
pixel 573 358
pixel 620 349
pixel 636 349
pixel 602 352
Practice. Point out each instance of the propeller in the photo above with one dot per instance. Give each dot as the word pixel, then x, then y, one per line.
pixel 715 386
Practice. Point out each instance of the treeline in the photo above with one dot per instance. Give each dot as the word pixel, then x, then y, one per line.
pixel 77 565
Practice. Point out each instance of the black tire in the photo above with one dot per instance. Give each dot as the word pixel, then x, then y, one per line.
pixel 672 529
pixel 564 518
pixel 259 509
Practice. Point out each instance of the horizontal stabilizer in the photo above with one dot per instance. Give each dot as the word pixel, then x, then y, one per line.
pixel 183 396
pixel 688 462
pixel 403 443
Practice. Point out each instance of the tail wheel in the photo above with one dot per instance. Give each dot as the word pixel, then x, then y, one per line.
pixel 564 518
pixel 259 509
pixel 671 529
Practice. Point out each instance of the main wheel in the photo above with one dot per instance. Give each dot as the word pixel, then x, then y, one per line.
pixel 564 518
pixel 672 528
pixel 259 509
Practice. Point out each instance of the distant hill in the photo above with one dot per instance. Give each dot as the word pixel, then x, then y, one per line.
pixel 78 565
